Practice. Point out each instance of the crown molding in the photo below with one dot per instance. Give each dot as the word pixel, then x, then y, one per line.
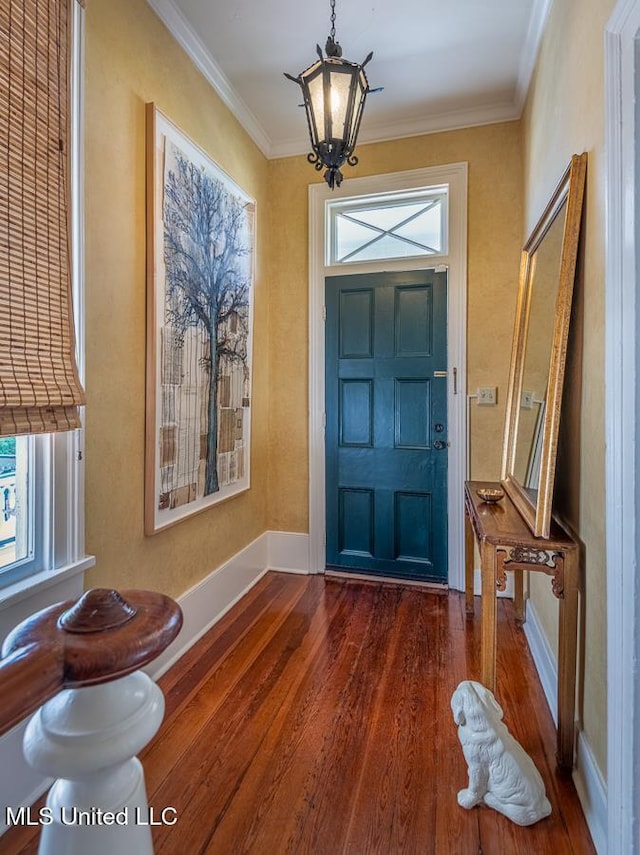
pixel 181 30
pixel 537 23
pixel 487 114
pixel 451 120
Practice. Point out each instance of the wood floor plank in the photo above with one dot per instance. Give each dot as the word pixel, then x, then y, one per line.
pixel 458 658
pixel 266 597
pixel 314 719
pixel 336 768
pixel 316 706
pixel 393 806
pixel 225 744
pixel 196 706
pixel 276 787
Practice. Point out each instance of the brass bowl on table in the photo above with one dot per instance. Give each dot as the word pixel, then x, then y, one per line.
pixel 491 495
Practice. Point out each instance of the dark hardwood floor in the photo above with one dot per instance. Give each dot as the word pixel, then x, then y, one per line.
pixel 314 719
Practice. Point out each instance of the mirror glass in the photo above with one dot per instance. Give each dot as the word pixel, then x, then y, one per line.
pixel 536 376
pixel 544 282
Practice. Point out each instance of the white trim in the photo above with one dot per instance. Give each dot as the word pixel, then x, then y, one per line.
pixel 592 792
pixel 543 659
pixel 182 31
pixel 25 589
pixel 621 428
pixel 587 777
pixel 537 23
pixel 430 123
pixel 288 551
pixel 211 598
pixel 75 442
pixel 455 176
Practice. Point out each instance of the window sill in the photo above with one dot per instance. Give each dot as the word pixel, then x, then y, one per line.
pixel 38 582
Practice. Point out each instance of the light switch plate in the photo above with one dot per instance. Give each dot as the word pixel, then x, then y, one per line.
pixel 487 395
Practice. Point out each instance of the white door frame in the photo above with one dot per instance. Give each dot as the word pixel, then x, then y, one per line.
pixel 455 177
pixel 621 425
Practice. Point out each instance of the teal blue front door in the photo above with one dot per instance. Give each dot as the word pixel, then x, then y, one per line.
pixel 386 431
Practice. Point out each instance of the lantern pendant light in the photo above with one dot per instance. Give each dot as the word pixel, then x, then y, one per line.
pixel 334 92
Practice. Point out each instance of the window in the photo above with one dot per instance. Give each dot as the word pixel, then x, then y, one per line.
pixel 16 506
pixel 40 468
pixel 392 226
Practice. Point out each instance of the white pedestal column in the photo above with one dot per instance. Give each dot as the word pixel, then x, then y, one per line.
pixel 87 739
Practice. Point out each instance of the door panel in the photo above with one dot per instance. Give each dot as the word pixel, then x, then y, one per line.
pixel 356 412
pixel 414 331
pixel 356 327
pixel 413 527
pixel 412 411
pixel 386 483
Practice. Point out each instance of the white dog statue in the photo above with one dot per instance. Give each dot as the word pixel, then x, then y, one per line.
pixel 501 773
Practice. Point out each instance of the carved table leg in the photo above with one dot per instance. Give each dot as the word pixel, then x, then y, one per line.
pixel 488 561
pixel 469 543
pixel 567 657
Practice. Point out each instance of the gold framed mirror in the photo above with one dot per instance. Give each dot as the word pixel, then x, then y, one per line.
pixel 543 312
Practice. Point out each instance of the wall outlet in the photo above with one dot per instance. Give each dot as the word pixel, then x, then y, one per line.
pixel 487 395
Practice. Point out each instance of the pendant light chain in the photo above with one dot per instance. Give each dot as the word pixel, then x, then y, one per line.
pixel 333 20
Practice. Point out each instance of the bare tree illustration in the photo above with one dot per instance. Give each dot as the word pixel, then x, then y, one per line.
pixel 207 279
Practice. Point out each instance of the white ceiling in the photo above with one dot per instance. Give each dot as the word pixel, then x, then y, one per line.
pixel 443 65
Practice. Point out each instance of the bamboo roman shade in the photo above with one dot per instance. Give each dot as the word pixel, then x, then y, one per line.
pixel 39 386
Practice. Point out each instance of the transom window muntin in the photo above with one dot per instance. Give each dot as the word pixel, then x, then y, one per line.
pixel 391 226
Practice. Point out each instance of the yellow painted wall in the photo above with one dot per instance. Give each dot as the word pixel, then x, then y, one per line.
pixel 494 241
pixel 132 59
pixel 564 115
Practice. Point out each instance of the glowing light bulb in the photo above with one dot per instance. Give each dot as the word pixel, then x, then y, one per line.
pixel 336 101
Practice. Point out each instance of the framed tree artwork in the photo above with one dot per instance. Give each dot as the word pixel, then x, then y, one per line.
pixel 200 263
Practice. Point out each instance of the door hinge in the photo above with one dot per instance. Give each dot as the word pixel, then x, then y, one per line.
pixel 324 420
pixel 324 313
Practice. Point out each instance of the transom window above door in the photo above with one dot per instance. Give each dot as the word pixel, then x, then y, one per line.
pixel 385 227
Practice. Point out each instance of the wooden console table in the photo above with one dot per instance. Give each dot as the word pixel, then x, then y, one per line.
pixel 506 543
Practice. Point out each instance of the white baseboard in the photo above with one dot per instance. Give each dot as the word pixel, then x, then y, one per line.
pixel 204 604
pixel 288 551
pixel 590 785
pixel 543 658
pixel 592 792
